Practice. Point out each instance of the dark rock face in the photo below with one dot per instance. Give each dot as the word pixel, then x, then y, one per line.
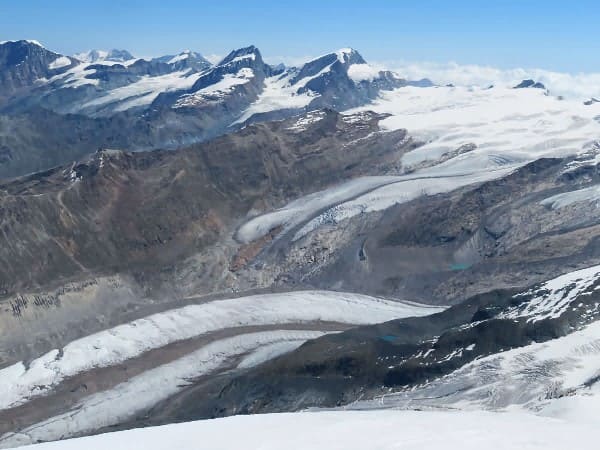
pixel 207 188
pixel 360 363
pixel 329 77
pixel 529 84
pixel 316 66
pixel 246 63
pixel 40 139
pixel 363 362
pixel 162 221
pixel 22 63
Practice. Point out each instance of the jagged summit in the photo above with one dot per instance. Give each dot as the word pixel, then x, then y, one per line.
pixel 186 59
pixel 240 69
pixel 24 63
pixel 529 83
pixel 349 56
pixel 250 52
pixel 339 60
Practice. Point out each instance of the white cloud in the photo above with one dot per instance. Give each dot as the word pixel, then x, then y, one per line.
pixel 360 72
pixel 579 85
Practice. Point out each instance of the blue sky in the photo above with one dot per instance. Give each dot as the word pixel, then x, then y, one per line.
pixel 561 36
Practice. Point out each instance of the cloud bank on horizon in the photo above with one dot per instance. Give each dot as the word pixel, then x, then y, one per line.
pixel 579 86
pixel 569 85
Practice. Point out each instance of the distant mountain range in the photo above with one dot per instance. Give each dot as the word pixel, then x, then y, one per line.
pixel 95 56
pixel 164 102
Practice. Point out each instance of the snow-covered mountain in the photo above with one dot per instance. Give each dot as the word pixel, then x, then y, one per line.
pixel 96 56
pixel 109 82
pixel 25 64
pixel 167 101
pixel 242 82
pixel 186 60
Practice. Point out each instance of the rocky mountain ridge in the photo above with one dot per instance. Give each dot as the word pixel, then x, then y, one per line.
pixel 165 102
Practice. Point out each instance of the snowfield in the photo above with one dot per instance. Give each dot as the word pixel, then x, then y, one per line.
pixel 471 135
pixel 345 430
pixel 554 297
pixel 518 124
pixel 144 91
pixel 278 93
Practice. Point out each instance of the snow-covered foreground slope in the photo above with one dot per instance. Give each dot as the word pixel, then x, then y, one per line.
pixel 374 430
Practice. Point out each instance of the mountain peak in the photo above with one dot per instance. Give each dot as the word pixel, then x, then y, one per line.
pixel 25 62
pixel 14 53
pixel 119 55
pixel 349 56
pixel 24 42
pixel 345 53
pixel 185 60
pixel 95 56
pixel 250 52
pixel 341 60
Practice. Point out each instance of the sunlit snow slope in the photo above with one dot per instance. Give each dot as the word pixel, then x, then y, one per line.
pixel 380 430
